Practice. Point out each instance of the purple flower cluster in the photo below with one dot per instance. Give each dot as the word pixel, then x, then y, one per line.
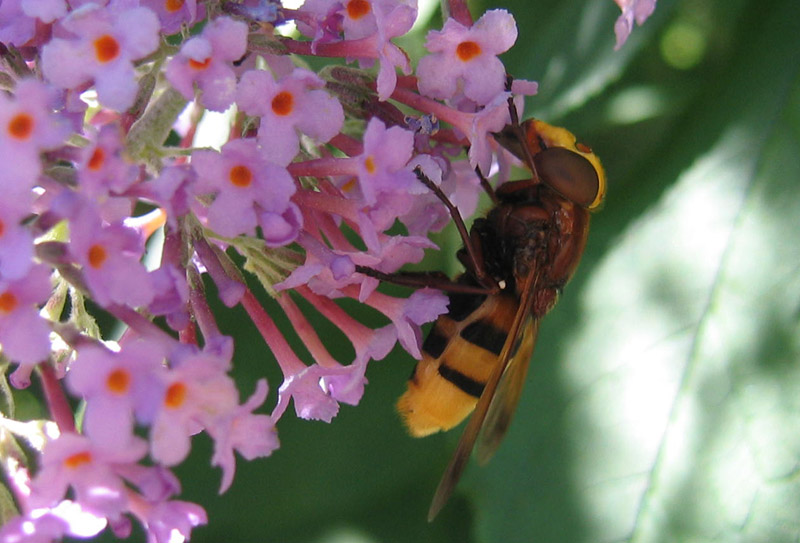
pixel 99 207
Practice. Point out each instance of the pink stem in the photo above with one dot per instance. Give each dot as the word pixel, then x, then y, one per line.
pixel 56 399
pixel 426 105
pixel 287 359
pixel 460 12
pixel 362 48
pixel 200 309
pixel 321 167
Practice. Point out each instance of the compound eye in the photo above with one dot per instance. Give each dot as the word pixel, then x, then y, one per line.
pixel 569 174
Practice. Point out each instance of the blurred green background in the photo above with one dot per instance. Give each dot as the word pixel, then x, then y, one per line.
pixel 663 402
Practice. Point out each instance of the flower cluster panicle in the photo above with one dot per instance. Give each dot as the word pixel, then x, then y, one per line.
pixel 109 199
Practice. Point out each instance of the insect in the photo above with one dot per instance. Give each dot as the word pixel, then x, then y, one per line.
pixel 517 260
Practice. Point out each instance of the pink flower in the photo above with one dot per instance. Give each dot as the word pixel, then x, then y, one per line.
pixel 110 258
pixel 193 395
pixel 382 165
pixel 28 126
pixel 409 314
pixel 464 60
pixel 346 383
pixel 479 126
pixel 460 185
pixel 206 61
pixel 103 42
pixel 173 13
pixel 167 520
pixel 171 294
pixel 253 436
pixel 16 241
pixel 33 529
pixel 327 271
pixel 116 386
pixel 369 26
pixel 638 10
pixel 18 19
pixel 311 400
pixel 249 192
pixel 73 461
pixel 24 335
pixel 172 190
pixel 393 19
pixel 294 105
pixel 356 19
pixel 103 169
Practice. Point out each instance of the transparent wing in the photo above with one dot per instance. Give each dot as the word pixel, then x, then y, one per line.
pixel 504 403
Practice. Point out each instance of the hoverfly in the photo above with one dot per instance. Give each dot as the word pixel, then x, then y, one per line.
pixel 517 260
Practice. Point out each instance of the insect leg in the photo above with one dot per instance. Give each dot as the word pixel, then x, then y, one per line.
pixel 476 262
pixel 436 280
pixel 486 186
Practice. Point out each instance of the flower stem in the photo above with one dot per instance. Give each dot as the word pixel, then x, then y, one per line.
pixel 60 409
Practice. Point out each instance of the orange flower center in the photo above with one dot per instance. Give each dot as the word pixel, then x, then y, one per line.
pixel 2 228
pixel 118 381
pixel 106 48
pixel 173 5
pixel 8 302
pixel 97 159
pixel 78 459
pixel 241 176
pixel 197 65
pixel 358 8
pixel 467 50
pixel 176 395
pixel 349 185
pixel 369 164
pixel 97 256
pixel 20 127
pixel 283 103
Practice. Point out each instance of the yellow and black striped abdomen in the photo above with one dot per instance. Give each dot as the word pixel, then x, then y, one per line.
pixel 458 359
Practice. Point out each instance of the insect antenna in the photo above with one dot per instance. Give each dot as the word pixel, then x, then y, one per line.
pixel 516 126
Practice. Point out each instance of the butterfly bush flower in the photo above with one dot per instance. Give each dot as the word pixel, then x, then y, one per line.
pixel 464 60
pixel 29 127
pixel 106 173
pixel 115 386
pixel 19 19
pixel 249 191
pixel 174 13
pixel 206 61
pixel 360 29
pixel 16 241
pixel 92 472
pixel 109 255
pixel 287 108
pixel 112 207
pixel 24 335
pixel 101 44
pixel 632 10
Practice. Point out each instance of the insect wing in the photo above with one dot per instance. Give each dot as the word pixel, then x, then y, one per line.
pixel 465 445
pixel 509 390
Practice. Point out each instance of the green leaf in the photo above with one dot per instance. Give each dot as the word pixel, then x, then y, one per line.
pixel 568 47
pixel 663 403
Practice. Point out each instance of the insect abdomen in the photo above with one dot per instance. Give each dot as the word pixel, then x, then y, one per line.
pixel 458 359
